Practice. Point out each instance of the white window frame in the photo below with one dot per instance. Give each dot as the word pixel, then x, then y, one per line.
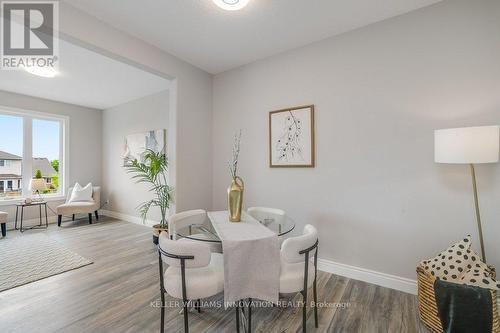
pixel 28 116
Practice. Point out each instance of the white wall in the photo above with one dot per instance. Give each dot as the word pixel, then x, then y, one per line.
pixel 376 195
pixel 147 113
pixel 84 139
pixel 191 110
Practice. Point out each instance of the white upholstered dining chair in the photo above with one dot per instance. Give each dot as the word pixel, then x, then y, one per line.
pixel 300 255
pixel 263 213
pixel 193 273
pixel 182 220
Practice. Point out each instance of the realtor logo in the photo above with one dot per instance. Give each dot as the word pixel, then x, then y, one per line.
pixel 28 36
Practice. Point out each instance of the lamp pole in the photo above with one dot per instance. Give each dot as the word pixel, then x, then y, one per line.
pixel 478 214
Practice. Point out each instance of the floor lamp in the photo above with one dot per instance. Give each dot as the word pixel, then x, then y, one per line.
pixel 468 145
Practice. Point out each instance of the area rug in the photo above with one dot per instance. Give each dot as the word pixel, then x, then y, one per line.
pixel 29 258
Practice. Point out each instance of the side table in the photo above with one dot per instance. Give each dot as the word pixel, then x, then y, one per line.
pixel 32 204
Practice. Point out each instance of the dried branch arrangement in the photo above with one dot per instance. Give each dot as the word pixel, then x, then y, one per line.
pixel 233 166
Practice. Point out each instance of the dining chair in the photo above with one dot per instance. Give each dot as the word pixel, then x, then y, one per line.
pixel 187 218
pixel 262 214
pixel 295 257
pixel 193 273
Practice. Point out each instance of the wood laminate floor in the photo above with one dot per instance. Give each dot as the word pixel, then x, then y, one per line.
pixel 119 291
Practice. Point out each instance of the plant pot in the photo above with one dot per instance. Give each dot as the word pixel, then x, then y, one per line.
pixel 157 230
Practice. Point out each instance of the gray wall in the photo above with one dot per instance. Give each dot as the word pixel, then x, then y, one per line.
pixel 84 139
pixel 150 112
pixel 192 107
pixel 376 195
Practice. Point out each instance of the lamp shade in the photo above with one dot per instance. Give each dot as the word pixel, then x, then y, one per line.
pixel 467 145
pixel 38 184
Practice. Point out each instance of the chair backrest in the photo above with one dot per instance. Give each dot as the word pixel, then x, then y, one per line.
pixel 263 213
pixel 198 250
pixel 293 245
pixel 96 194
pixel 184 219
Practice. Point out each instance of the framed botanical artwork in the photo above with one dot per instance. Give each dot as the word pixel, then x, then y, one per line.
pixel 291 137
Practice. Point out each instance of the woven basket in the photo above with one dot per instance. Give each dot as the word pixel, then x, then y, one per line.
pixel 427 307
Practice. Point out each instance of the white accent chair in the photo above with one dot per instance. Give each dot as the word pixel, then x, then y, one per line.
pixel 263 213
pixel 295 260
pixel 191 217
pixel 80 207
pixel 193 273
pixel 3 223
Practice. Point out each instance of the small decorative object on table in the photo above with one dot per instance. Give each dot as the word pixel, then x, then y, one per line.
pixel 457 291
pixel 38 186
pixel 153 171
pixel 235 190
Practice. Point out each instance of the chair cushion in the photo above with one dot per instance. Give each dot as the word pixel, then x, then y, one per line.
pixel 80 193
pixel 3 217
pixel 80 207
pixel 292 276
pixel 200 282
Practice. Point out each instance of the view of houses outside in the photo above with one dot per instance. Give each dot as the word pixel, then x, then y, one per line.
pixel 45 146
pixel 11 174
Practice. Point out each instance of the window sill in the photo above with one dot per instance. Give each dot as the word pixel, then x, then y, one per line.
pixel 13 202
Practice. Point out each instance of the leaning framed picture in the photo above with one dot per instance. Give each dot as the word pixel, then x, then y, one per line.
pixel 291 137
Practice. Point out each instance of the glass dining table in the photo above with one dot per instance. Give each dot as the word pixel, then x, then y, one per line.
pixel 206 232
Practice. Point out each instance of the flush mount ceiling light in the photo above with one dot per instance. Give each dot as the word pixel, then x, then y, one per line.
pixel 231 4
pixel 41 71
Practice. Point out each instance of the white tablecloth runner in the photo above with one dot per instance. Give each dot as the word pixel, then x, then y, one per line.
pixel 251 258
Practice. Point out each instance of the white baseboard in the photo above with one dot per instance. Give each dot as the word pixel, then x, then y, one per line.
pixel 127 218
pixel 366 275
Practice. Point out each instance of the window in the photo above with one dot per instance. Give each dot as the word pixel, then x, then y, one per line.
pixel 46 148
pixel 11 155
pixel 32 145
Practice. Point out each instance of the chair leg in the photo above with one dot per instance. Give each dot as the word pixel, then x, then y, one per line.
pixel 249 315
pixel 96 216
pixel 4 229
pixel 315 294
pixel 304 311
pixel 90 218
pixel 237 319
pixel 186 326
pixel 162 321
pixel 59 220
pixel 73 217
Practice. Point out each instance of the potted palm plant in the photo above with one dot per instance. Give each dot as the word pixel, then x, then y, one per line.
pixel 153 172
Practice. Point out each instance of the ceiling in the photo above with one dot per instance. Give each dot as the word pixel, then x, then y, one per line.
pixel 86 78
pixel 215 40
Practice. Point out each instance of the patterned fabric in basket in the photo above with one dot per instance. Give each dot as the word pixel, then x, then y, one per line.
pixel 460 264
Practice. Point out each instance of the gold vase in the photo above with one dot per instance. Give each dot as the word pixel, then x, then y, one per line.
pixel 235 199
